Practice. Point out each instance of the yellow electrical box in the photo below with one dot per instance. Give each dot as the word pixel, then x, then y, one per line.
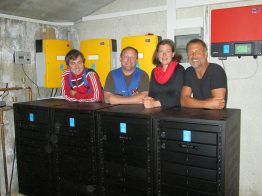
pixel 100 55
pixel 146 45
pixel 50 62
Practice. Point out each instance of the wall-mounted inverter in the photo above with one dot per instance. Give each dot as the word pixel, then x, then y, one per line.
pixel 50 62
pixel 100 55
pixel 146 45
pixel 236 31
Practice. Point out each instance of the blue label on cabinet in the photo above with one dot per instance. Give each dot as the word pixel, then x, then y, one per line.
pixel 186 136
pixel 72 122
pixel 31 117
pixel 122 127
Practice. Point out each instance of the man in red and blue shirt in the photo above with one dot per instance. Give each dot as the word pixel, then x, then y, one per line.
pixel 79 83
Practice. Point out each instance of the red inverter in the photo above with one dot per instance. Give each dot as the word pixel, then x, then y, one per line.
pixel 236 31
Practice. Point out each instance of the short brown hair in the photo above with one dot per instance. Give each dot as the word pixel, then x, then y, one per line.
pixel 129 48
pixel 72 55
pixel 195 41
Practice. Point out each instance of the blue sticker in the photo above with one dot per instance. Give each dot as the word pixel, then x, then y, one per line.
pixel 122 127
pixel 137 65
pixel 72 122
pixel 226 49
pixel 31 117
pixel 186 136
pixel 93 66
pixel 62 67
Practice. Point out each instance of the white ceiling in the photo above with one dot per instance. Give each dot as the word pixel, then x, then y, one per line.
pixel 52 10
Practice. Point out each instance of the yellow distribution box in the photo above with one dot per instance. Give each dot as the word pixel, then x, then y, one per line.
pixel 146 45
pixel 100 55
pixel 50 62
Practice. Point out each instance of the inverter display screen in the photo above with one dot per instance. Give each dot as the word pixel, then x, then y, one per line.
pixel 243 48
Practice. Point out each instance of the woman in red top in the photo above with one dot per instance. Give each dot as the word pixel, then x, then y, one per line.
pixel 167 78
pixel 79 83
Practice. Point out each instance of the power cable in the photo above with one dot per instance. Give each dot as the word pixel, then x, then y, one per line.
pixel 244 78
pixel 5 95
pixel 223 65
pixel 55 92
pixel 12 171
pixel 31 80
pixel 4 91
pixel 52 92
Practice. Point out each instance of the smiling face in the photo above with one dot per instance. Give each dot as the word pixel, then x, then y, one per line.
pixel 128 61
pixel 197 55
pixel 76 66
pixel 165 54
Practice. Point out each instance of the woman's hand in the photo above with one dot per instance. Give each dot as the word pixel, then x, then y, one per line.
pixel 150 102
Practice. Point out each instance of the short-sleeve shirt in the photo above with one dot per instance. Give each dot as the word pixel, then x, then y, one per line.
pixel 142 86
pixel 213 78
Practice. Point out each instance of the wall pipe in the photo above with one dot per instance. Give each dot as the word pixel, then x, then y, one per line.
pixel 3 143
pixel 2 110
pixel 19 88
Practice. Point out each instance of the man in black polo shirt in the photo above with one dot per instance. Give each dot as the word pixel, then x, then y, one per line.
pixel 207 82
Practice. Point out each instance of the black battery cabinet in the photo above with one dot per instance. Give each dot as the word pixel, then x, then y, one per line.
pixel 73 128
pixel 95 149
pixel 197 152
pixel 125 150
pixel 34 149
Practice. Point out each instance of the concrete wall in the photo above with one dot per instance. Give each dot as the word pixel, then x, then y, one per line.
pixel 244 83
pixel 18 35
pixel 244 75
pixel 116 28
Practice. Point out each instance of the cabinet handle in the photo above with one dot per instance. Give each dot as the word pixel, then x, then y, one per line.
pixel 57 127
pixel 53 139
pixel 163 135
pixel 163 145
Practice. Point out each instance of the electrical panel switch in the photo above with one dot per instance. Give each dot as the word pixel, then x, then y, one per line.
pixel 21 57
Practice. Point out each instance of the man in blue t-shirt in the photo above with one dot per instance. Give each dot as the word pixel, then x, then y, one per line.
pixel 207 82
pixel 127 84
